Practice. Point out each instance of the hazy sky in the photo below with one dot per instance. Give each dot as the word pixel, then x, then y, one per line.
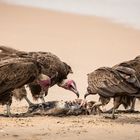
pixel 124 11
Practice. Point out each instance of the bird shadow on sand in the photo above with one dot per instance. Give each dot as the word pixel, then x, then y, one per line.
pixel 26 115
pixel 123 117
pixel 128 119
pixel 124 112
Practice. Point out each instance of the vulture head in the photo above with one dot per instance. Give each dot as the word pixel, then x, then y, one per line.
pixel 89 92
pixel 69 85
pixel 44 81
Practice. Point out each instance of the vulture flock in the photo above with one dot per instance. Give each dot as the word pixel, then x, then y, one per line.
pixel 42 70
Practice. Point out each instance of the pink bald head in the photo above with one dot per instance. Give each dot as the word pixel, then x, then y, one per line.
pixel 69 84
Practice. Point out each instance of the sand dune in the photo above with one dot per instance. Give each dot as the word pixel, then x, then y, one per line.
pixel 86 43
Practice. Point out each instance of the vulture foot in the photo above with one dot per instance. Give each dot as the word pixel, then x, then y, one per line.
pixel 110 111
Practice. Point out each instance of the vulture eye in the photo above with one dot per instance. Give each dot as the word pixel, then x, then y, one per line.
pixel 67 85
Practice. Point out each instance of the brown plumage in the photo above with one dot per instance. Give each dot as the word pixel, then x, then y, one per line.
pixel 109 82
pixel 52 66
pixel 134 64
pixel 15 73
pixel 120 80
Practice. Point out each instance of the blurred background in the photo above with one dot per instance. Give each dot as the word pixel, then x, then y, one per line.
pixel 123 11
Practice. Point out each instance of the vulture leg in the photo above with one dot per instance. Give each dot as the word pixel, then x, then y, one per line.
pixel 116 106
pixel 83 103
pixel 113 109
pixel 133 104
pixel 8 110
pixel 96 106
pixel 28 101
pixel 132 109
pixel 42 99
pixel 6 99
pixel 113 113
pixel 43 92
pixel 41 96
pixel 117 103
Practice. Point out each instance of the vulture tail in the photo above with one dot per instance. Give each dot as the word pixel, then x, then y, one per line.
pixel 10 51
pixel 127 101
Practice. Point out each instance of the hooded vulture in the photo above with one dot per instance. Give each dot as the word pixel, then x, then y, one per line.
pixel 117 82
pixel 15 73
pixel 52 67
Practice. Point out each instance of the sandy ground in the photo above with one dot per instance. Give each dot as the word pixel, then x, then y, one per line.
pixel 86 43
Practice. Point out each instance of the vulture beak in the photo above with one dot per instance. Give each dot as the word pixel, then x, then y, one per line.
pixel 69 85
pixel 73 88
pixel 86 95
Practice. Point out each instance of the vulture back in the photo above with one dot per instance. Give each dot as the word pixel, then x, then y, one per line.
pixel 133 64
pixel 15 73
pixel 107 82
pixel 52 66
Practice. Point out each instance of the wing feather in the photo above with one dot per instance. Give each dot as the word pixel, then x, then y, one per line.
pixel 108 82
pixel 16 74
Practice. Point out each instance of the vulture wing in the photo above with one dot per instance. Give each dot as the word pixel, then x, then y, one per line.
pixel 15 73
pixel 107 82
pixel 52 66
pixel 130 71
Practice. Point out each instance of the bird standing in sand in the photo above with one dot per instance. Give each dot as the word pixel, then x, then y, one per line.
pixel 119 81
pixel 15 73
pixel 128 101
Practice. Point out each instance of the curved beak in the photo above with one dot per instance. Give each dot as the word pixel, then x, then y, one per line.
pixel 86 95
pixel 73 88
pixel 77 94
pixel 75 91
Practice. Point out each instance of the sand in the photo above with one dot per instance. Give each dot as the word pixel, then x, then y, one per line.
pixel 86 43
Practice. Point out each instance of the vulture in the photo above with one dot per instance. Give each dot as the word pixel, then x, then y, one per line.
pixel 52 67
pixel 15 73
pixel 118 82
pixel 127 101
